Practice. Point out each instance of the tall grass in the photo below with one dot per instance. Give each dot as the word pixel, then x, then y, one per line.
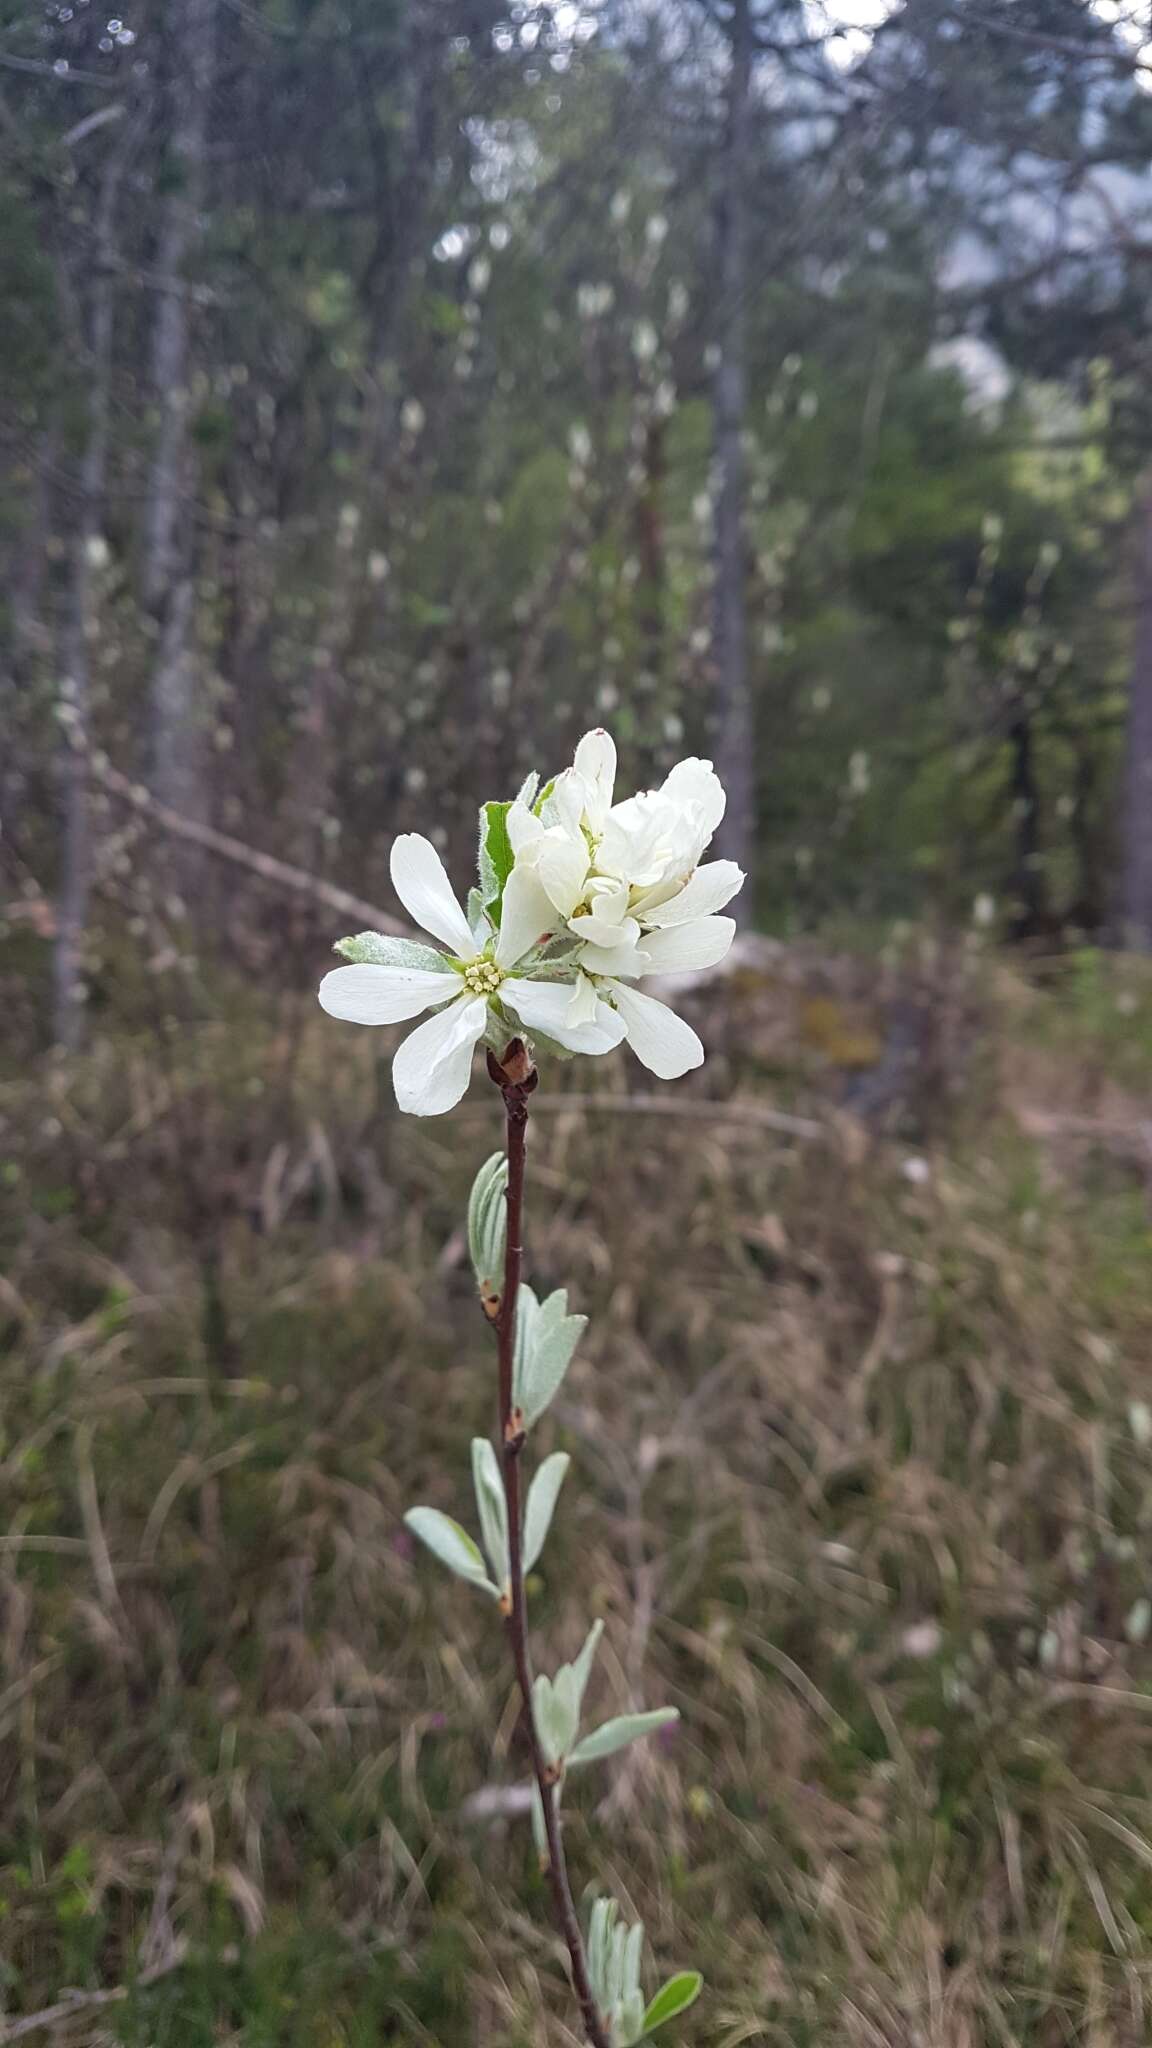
pixel 885 1540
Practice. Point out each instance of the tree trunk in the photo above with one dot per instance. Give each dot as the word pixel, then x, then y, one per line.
pixel 1136 867
pixel 651 588
pixel 735 739
pixel 1031 916
pixel 360 454
pixel 177 736
pixel 75 696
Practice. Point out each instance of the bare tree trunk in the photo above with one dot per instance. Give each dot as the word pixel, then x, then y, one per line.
pixel 735 737
pixel 648 524
pixel 76 866
pixel 363 454
pixel 1031 917
pixel 1136 866
pixel 29 634
pixel 177 739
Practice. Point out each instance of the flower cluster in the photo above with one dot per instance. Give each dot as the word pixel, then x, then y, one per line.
pixel 580 898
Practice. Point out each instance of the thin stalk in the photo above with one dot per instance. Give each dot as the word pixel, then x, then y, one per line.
pixel 516 1079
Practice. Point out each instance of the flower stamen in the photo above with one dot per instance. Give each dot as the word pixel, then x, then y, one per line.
pixel 483 978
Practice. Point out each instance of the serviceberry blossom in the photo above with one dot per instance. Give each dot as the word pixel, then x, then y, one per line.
pixel 579 899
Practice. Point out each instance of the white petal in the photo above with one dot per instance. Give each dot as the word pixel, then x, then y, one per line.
pixel 596 930
pixel 523 827
pixel 430 1072
pixel 545 1006
pixel 364 994
pixel 687 947
pixel 566 804
pixel 596 763
pixel 527 914
pixel 660 1039
pixel 629 961
pixel 696 781
pixel 709 889
pixel 422 885
pixel 562 865
pixel 584 1004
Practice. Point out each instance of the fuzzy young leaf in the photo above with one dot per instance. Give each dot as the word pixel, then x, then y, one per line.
pixel 488 1223
pixel 451 1544
pixel 527 1317
pixel 496 856
pixel 673 1997
pixel 599 1933
pixel 478 923
pixel 526 794
pixel 542 1497
pixel 379 949
pixel 491 1506
pixel 544 1355
pixel 583 1665
pixel 618 1733
pixel 554 1722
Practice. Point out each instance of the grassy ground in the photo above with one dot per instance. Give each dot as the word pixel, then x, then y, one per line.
pixel 862 1436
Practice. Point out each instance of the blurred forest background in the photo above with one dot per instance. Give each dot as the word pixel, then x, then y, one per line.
pixel 389 391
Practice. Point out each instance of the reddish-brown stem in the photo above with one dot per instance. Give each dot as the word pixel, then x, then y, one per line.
pixel 516 1079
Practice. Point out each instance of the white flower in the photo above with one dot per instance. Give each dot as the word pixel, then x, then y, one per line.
pixel 470 988
pixel 627 881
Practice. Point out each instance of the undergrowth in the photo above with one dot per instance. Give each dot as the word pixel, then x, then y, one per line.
pixel 890 1385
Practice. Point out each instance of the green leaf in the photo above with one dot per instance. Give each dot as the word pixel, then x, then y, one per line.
pixel 545 1355
pixel 542 1497
pixel 673 1997
pixel 379 949
pixel 583 1665
pixel 491 1506
pixel 554 1723
pixel 488 1223
pixel 526 794
pixel 496 856
pixel 474 912
pixel 451 1544
pixel 618 1733
pixel 527 1317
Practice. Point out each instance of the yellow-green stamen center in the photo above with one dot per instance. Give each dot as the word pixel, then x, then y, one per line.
pixel 483 978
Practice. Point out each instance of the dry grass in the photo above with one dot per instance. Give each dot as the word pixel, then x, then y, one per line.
pixel 864 1486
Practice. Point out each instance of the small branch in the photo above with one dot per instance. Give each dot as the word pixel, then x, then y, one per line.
pixel 279 873
pixel 75 2002
pixel 516 1078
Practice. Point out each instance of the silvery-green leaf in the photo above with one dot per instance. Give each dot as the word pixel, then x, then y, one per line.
pixel 491 1506
pixel 545 1361
pixel 542 1497
pixel 566 1707
pixel 629 2022
pixel 379 949
pixel 526 793
pixel 616 1966
pixel 488 1222
pixel 527 1315
pixel 630 1984
pixel 618 1733
pixel 583 1664
pixel 599 1933
pixel 451 1544
pixel 479 923
pixel 673 1997
pixel 552 1722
